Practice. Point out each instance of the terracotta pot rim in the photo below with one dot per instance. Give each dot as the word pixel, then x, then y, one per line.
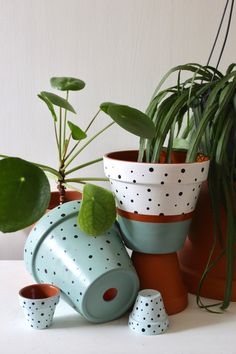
pixel 53 291
pixel 111 156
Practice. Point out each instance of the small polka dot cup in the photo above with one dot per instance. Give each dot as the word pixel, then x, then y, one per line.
pixel 38 302
pixel 149 316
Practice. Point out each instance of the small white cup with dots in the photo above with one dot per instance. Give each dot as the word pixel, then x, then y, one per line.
pixel 38 302
pixel 149 315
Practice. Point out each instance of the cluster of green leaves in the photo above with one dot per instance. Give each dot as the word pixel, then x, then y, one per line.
pixel 206 102
pixel 24 188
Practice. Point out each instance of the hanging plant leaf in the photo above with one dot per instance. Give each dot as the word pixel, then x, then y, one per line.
pixel 77 133
pixel 131 119
pixel 58 101
pixel 50 106
pixel 67 83
pixel 98 210
pixel 24 194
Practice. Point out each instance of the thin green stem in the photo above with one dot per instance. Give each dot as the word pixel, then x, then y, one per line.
pixel 75 146
pixel 92 120
pixel 60 134
pixel 79 167
pixel 65 122
pixel 56 136
pixel 88 142
pixel 81 179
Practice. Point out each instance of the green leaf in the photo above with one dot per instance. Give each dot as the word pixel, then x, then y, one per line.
pixel 57 101
pixel 105 105
pixel 77 133
pixel 67 83
pixel 98 210
pixel 24 194
pixel 131 119
pixel 180 143
pixel 50 106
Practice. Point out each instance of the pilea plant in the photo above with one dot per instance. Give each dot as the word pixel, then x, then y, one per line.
pixel 24 187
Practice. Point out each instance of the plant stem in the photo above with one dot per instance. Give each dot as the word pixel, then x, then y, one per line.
pixel 64 125
pixel 88 142
pixel 73 149
pixel 92 120
pixel 60 134
pixel 76 168
pixel 79 180
pixel 55 131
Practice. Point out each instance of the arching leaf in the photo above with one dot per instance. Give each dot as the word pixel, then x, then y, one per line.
pixel 49 104
pixel 131 119
pixel 58 101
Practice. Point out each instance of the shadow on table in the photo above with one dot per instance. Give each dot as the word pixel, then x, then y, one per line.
pixel 70 321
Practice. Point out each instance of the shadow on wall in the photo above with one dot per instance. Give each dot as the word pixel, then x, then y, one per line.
pixel 12 244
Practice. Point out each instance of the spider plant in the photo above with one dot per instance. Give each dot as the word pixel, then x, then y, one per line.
pixel 205 101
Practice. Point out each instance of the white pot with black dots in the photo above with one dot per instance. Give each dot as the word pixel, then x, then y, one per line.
pixel 155 201
pixel 38 302
pixel 95 274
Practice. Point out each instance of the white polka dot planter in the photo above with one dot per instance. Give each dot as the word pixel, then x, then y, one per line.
pixel 155 201
pixel 38 302
pixel 95 274
pixel 149 316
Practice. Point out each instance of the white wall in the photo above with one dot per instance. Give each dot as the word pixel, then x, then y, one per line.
pixel 120 48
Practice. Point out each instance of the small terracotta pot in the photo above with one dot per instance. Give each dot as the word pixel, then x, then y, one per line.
pixel 162 272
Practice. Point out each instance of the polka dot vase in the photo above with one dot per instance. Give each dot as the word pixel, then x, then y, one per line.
pixel 95 274
pixel 38 302
pixel 149 316
pixel 155 201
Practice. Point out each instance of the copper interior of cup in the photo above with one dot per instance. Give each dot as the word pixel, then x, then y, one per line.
pixel 39 291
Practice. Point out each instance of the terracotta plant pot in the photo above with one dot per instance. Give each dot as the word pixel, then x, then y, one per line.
pixel 162 272
pixel 69 196
pixel 193 257
pixel 155 203
pixel 95 274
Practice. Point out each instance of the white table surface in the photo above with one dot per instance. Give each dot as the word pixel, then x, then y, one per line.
pixel 193 331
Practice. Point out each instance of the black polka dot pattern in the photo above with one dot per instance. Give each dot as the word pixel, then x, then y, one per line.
pixel 73 261
pixel 39 314
pixel 149 316
pixel 175 181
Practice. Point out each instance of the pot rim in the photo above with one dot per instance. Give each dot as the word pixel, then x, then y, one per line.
pixel 111 156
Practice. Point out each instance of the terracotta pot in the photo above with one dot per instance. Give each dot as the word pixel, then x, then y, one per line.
pixel 162 272
pixel 155 201
pixel 69 196
pixel 193 257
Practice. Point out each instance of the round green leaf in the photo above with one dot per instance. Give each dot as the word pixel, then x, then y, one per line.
pixel 131 119
pixel 57 101
pixel 24 194
pixel 98 210
pixel 67 83
pixel 76 132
